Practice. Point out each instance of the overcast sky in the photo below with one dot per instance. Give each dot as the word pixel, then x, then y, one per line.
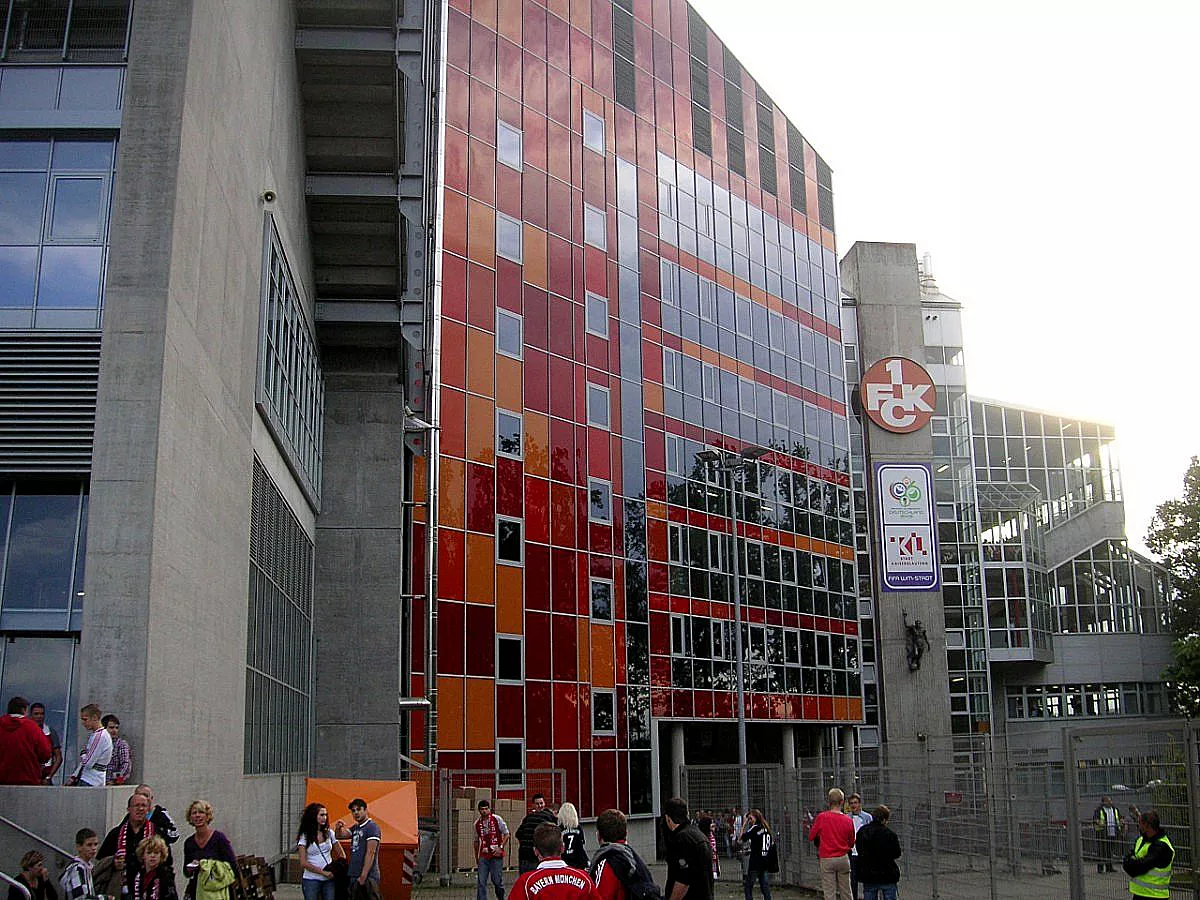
pixel 1046 155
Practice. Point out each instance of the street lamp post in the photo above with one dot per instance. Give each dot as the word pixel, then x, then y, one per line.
pixel 727 462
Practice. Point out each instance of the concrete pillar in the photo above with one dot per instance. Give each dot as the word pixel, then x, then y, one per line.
pixel 789 746
pixel 846 739
pixel 677 760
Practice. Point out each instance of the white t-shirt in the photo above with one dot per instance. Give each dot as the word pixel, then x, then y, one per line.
pixel 319 855
pixel 94 758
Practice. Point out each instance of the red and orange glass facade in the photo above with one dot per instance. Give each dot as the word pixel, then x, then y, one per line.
pixel 638 263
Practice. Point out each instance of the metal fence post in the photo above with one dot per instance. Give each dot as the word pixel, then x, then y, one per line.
pixel 990 796
pixel 1192 760
pixel 443 782
pixel 933 849
pixel 1074 835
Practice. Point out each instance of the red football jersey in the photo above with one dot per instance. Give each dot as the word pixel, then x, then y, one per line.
pixel 554 880
pixel 608 885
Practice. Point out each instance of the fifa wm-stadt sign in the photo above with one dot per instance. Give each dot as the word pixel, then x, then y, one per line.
pixel 907 528
pixel 898 395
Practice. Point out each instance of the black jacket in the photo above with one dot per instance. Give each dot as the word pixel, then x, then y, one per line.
pixel 1158 856
pixel 629 868
pixel 525 833
pixel 878 849
pixel 689 861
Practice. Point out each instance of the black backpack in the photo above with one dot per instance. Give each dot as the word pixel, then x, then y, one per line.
pixel 629 869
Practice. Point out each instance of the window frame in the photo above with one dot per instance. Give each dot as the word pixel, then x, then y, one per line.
pixel 596 580
pixel 589 221
pixel 673 364
pixel 591 297
pixel 512 130
pixel 520 231
pixel 607 423
pixel 520 322
pixel 520 454
pixel 520 640
pixel 503 784
pixel 612 695
pixel 501 561
pixel 589 115
pixel 606 486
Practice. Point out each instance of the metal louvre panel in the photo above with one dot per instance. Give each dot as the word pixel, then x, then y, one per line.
pixel 48 401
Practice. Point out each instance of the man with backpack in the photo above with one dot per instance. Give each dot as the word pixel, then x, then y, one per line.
pixel 617 870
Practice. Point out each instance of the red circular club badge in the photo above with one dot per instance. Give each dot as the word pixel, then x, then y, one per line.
pixel 898 395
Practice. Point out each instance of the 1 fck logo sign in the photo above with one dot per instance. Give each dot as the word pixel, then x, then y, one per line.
pixel 898 395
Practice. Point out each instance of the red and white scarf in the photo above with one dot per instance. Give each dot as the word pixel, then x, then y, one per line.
pixel 139 880
pixel 487 830
pixel 123 832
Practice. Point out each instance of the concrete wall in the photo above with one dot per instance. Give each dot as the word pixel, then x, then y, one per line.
pixel 1090 527
pixel 883 280
pixel 212 118
pixel 358 580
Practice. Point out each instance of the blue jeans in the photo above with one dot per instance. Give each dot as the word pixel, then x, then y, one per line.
pixel 764 882
pixel 317 890
pixel 879 891
pixel 493 869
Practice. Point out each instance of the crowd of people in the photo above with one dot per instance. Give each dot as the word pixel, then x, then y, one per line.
pixel 31 750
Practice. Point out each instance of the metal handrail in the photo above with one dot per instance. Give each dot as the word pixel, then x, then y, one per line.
pixel 19 885
pixel 37 837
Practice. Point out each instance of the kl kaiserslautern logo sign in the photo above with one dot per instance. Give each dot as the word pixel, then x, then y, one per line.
pixel 898 395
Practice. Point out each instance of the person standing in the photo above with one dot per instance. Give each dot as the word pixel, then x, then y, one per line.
pixel 762 858
pixel 76 879
pixel 878 850
pixel 1107 822
pixel 574 853
pixel 833 833
pixel 96 753
pixel 860 818
pixel 689 869
pixel 23 747
pixel 318 850
pixel 120 767
pixel 204 843
pixel 617 870
pixel 553 879
pixel 365 838
pixel 1148 864
pixel 164 825
pixel 155 880
pixel 491 840
pixel 538 815
pixel 37 712
pixel 122 842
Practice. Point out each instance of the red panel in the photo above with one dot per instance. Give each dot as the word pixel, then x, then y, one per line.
pixel 559 214
pixel 535 82
pixel 566 706
pixel 536 327
pixel 481 171
pixel 723 703
pixel 825 708
pixel 509 58
pixel 585 785
pixel 562 389
pixel 600 538
pixel 604 781
pixel 537 381
pixel 660 701
pixel 509 484
pixel 681 703
pixel 569 762
pixel 481 298
pixel 558 102
pixel 481 640
pixel 458 98
pixel 537 510
pixel 454 423
pixel 537 578
pixel 533 190
pixel 451 564
pixel 454 287
pixel 558 49
pixel 560 258
pixel 562 313
pixel 812 708
pixel 481 498
pixel 660 672
pixel 510 710
pixel 537 716
pixel 459 40
pixel 598 463
pixel 483 112
pixel 456 159
pixel 562 449
pixel 483 53
pixel 533 31
pixel 562 581
pixel 450 638
pixel 537 645
pixel 454 354
pixel 508 192
pixel 565 666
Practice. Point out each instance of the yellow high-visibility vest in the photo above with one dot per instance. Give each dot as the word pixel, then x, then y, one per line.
pixel 1156 882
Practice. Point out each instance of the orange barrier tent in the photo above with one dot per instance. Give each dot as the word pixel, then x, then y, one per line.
pixel 392 805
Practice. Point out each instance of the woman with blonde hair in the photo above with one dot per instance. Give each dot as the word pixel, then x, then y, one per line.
pixel 574 854
pixel 205 843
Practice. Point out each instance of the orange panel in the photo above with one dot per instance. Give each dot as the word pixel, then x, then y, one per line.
pixel 481 362
pixel 533 256
pixel 510 600
pixel 419 473
pixel 481 724
pixel 508 383
pixel 481 233
pixel 603 668
pixel 656 509
pixel 481 429
pixel 652 396
pixel 855 708
pixel 510 20
pixel 537 444
pixel 481 568
pixel 450 714
pixel 841 709
pixel 484 12
pixel 452 493
pixel 584 644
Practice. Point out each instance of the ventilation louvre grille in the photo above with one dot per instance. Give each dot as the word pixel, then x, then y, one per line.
pixel 48 386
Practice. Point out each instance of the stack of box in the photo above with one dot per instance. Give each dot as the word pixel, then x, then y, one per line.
pixel 512 812
pixel 465 814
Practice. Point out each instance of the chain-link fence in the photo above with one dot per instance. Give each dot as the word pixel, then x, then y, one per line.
pixel 458 794
pixel 976 820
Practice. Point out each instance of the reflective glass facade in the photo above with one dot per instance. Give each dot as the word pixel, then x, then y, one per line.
pixel 659 297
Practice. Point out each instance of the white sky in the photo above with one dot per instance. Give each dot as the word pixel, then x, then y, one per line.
pixel 1045 154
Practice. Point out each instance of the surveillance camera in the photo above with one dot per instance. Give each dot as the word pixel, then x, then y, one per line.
pixel 268 196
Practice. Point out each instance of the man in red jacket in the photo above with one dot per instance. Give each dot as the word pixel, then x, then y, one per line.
pixel 833 833
pixel 553 879
pixel 23 747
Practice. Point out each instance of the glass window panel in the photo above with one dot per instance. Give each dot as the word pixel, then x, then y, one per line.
pixel 508 333
pixel 41 555
pixel 22 200
pixel 83 156
pixel 77 209
pixel 601 599
pixel 510 546
pixel 509 432
pixel 24 155
pixel 90 88
pixel 70 276
pixel 40 670
pixel 509 659
pixel 508 145
pixel 595 229
pixel 18 274
pixel 29 87
pixel 597 315
pixel 603 712
pixel 508 237
pixel 593 131
pixel 599 500
pixel 597 406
